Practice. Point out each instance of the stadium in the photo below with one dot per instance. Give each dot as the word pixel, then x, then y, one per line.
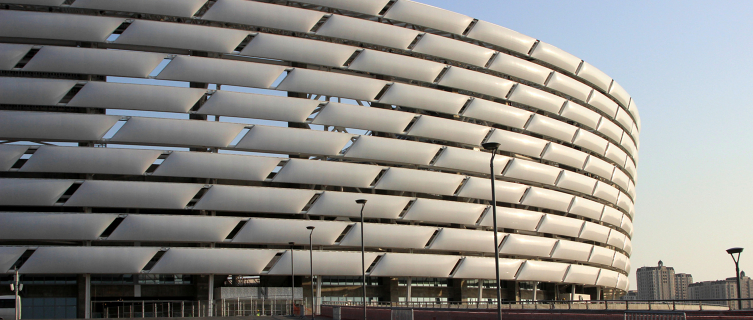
pixel 172 150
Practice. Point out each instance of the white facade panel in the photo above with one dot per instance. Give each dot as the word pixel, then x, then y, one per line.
pixel 263 15
pixel 593 75
pixel 612 216
pixel 511 218
pixel 326 263
pixel 332 84
pixel 40 25
pixel 607 278
pixel 542 271
pixel 501 36
pixel 388 236
pixel 595 232
pixel 576 182
pixel 428 16
pixel 580 114
pixel 53 226
pixel 217 166
pixel 545 198
pixel 293 140
pixel 431 210
pixel 476 81
pixel 560 225
pixel 590 141
pixel 206 261
pixel 392 150
pixel 423 98
pixel 109 260
pixel 481 188
pixel 368 7
pixel 624 119
pixel 517 67
pixel 9 154
pixel 343 204
pixel 586 208
pixel 32 192
pixel 553 128
pixel 11 54
pixel 338 26
pixel 169 228
pixel 620 178
pixel 564 155
pixel 259 106
pixel 620 94
pixel 518 143
pixel 90 160
pixel 465 240
pixel 470 160
pixel 569 86
pixel 362 117
pixel 518 244
pixel 180 8
pixel 556 56
pixel 136 97
pixel 598 167
pixel 571 250
pixel 397 65
pixel 401 179
pixel 32 91
pixel 483 268
pixel 606 192
pixel 155 131
pixel 268 231
pixel 289 49
pixel 221 71
pixel 133 194
pixel 536 98
pixel 183 36
pixel 453 49
pixel 601 255
pixel 450 130
pixel 109 62
pixel 582 274
pixel 610 129
pixel 9 256
pixel 616 239
pixel 254 199
pixel 603 103
pixel 333 173
pixel 414 265
pixel 54 126
pixel 496 112
pixel 531 171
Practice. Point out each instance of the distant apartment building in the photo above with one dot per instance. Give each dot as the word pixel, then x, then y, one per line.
pixel 682 281
pixel 656 283
pixel 630 295
pixel 723 289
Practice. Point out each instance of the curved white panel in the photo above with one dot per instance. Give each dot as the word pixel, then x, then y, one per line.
pixel 571 250
pixel 620 178
pixel 29 24
pixel 531 171
pixel 606 192
pixel 183 36
pixel 580 114
pixel 289 48
pixel 32 91
pixel 627 225
pixel 218 166
pixel 616 239
pixel 450 130
pixel 414 265
pixel 326 263
pixel 9 154
pixel 537 98
pixel 470 160
pixel 254 199
pixel 388 236
pixel 221 261
pixel 517 67
pixel 9 256
pixel 518 143
pixel 598 167
pixel 343 204
pixel 423 98
pixel 629 145
pixel 392 150
pixel 94 61
pixel 97 94
pixel 564 155
pixel 331 84
pixel 555 224
pixel 90 160
pixel 616 154
pixel 32 192
pixel 518 244
pixel 263 15
pixel 221 71
pixel 428 16
pixel 590 141
pixel 180 8
pixel 601 102
pixel 480 188
pixel 501 36
pixel 586 208
pixel 577 182
pixel 11 54
pixel 258 106
pixel 177 132
pixel 593 75
pixel 284 231
pixel 556 56
pixel 629 250
pixel 610 129
pixel 372 7
pixel 582 274
pixel 620 94
pixel 465 79
pixel 483 268
pixel 569 86
pixel 444 211
pixel 333 173
pixel 620 261
pixel 138 227
pixel 54 126
pixel 464 240
pixel 607 278
pixel 623 282
pixel 292 140
pixel 612 216
pixel 453 49
pixel 542 271
pixel 362 117
pixel 109 260
pixel 624 119
pixel 338 26
pixel 498 113
pixel 402 179
pixel 595 232
pixel 510 218
pixel 397 65
pixel 101 193
pixel 53 226
pixel 545 198
pixel 601 255
pixel 553 128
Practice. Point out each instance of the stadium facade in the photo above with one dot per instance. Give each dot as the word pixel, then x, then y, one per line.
pixel 162 149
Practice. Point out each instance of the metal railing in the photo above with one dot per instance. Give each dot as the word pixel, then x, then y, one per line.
pixel 205 308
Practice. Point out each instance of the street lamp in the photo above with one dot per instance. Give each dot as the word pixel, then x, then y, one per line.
pixel 732 252
pixel 493 147
pixel 311 265
pixel 362 202
pixel 292 279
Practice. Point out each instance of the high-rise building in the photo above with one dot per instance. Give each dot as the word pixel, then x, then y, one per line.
pixel 723 289
pixel 682 280
pixel 656 283
pixel 173 149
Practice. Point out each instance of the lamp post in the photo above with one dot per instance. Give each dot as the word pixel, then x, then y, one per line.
pixel 732 252
pixel 311 265
pixel 362 202
pixel 493 147
pixel 292 279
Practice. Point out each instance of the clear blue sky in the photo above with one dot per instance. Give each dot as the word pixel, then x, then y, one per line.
pixel 688 66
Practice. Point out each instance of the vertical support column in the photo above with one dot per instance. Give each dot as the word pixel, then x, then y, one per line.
pixel 409 285
pixel 535 290
pixel 88 296
pixel 318 294
pixel 480 291
pixel 211 296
